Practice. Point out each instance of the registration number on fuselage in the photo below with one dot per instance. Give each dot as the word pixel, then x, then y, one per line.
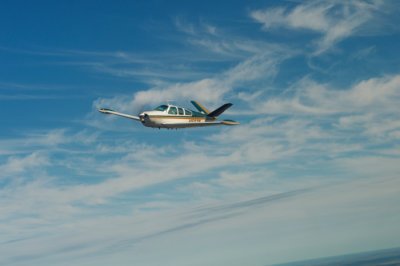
pixel 195 120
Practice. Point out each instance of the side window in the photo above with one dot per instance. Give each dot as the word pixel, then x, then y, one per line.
pixel 187 112
pixel 172 111
pixel 180 111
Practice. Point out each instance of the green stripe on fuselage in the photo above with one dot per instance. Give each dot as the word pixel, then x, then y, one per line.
pixel 197 114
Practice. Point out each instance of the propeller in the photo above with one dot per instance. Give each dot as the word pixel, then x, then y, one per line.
pixel 139 111
pixel 144 117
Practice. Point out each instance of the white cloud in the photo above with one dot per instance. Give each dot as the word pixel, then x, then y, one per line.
pixel 364 53
pixel 45 141
pixel 21 164
pixel 387 167
pixel 307 16
pixel 378 95
pixel 184 26
pixel 206 90
pixel 264 141
pixel 91 197
pixel 261 141
pixel 211 29
pixel 368 108
pixel 210 91
pixel 241 180
pixel 236 48
pixel 334 20
pixel 324 214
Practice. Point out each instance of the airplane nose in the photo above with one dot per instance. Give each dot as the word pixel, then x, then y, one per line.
pixel 143 116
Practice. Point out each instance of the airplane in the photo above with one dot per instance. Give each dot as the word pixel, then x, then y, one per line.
pixel 171 116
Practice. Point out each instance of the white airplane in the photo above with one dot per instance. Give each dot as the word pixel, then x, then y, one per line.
pixel 171 116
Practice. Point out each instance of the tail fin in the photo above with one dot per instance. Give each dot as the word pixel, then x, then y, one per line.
pixel 220 110
pixel 200 107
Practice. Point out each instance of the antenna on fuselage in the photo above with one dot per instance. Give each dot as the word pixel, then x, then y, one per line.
pixel 169 101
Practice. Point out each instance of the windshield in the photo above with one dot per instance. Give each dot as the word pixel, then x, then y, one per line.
pixel 161 108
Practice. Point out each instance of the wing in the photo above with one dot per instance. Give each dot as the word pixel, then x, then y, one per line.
pixel 109 111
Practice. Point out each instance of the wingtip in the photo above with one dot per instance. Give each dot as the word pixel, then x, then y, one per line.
pixel 105 110
pixel 230 122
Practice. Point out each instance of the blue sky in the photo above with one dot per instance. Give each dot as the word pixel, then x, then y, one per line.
pixel 312 171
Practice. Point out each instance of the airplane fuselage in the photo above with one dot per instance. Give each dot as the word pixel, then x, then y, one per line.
pixel 161 119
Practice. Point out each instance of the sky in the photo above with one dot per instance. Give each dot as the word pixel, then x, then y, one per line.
pixel 313 169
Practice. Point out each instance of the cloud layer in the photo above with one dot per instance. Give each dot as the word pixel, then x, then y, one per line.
pixel 311 171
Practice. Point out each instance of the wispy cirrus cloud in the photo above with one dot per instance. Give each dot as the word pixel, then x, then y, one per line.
pixel 307 149
pixel 211 91
pixel 49 140
pixel 17 165
pixel 369 106
pixel 297 209
pixel 188 27
pixel 335 21
pixel 308 96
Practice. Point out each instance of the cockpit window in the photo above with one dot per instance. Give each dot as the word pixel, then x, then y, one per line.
pixel 161 108
pixel 180 111
pixel 187 112
pixel 172 110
